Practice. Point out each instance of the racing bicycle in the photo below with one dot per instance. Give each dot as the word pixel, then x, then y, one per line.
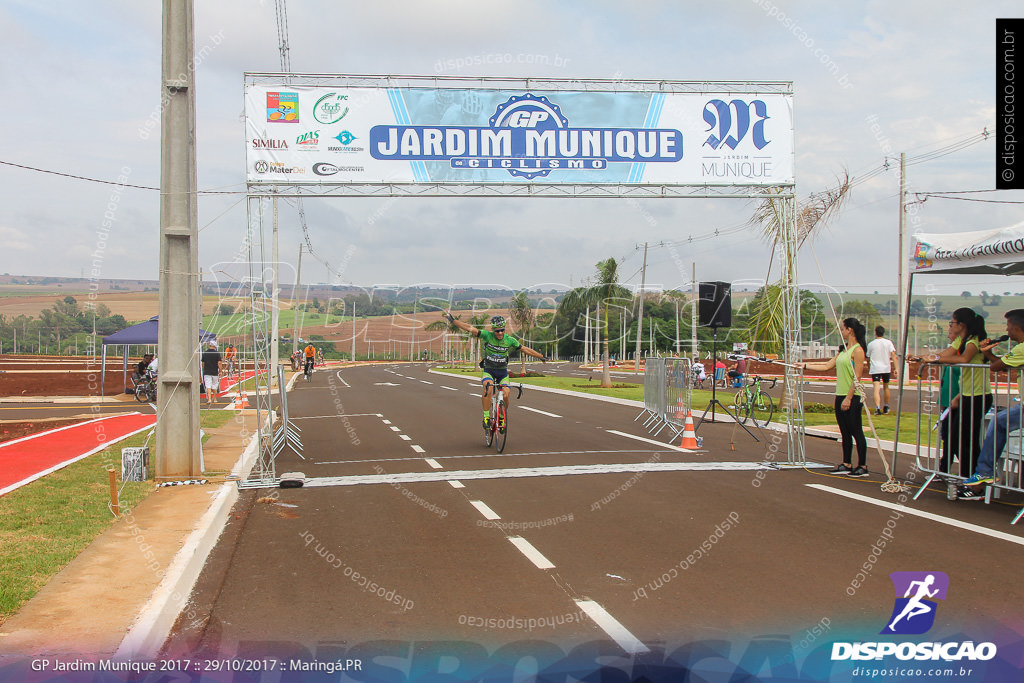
pixel 145 389
pixel 754 403
pixel 497 432
pixel 307 371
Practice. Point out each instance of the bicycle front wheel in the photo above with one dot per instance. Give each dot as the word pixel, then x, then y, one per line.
pixel 762 409
pixel 502 432
pixel 741 404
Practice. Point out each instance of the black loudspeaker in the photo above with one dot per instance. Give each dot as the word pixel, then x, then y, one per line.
pixel 714 301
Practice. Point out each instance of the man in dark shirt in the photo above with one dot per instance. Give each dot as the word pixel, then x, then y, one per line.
pixel 211 372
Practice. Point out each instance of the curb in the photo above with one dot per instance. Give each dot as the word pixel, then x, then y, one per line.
pixel 151 628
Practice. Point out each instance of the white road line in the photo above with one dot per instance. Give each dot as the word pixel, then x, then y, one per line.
pixel 433 463
pixel 472 394
pixel 646 440
pixel 321 417
pixel 613 627
pixel 519 472
pixel 531 553
pixel 456 484
pixel 394 428
pixel 448 388
pixel 542 412
pixel 966 526
pixel 425 381
pixel 387 422
pixel 487 512
pixel 403 437
pixel 418 449
pixel 338 375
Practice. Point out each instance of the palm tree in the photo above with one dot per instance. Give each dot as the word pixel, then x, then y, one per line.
pixel 521 313
pixel 605 289
pixel 767 318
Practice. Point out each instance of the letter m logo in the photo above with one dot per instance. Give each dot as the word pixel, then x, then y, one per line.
pixel 730 123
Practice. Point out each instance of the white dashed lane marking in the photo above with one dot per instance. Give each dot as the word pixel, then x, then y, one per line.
pixel 532 554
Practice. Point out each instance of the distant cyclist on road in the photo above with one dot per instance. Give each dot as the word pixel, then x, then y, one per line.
pixel 496 347
pixel 310 355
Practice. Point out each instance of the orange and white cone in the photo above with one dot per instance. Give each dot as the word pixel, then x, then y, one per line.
pixel 689 439
pixel 680 408
pixel 241 401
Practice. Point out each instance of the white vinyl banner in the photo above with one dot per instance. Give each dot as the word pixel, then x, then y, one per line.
pixel 963 251
pixel 325 135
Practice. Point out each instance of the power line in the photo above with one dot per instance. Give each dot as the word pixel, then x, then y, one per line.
pixel 107 182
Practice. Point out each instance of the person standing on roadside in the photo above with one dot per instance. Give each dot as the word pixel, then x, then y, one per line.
pixel 882 367
pixel 211 359
pixel 848 364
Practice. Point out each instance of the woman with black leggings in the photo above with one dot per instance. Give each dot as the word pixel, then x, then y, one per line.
pixel 849 364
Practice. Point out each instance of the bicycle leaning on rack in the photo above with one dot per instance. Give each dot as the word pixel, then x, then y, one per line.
pixel 752 403
pixel 497 431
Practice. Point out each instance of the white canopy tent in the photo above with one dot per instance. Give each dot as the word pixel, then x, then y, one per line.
pixel 980 252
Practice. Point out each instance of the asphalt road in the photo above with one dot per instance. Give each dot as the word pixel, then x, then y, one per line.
pixel 615 539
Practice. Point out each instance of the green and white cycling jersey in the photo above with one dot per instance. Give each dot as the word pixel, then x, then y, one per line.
pixel 496 351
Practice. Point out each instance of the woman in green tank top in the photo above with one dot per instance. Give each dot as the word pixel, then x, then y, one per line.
pixel 849 403
pixel 968 407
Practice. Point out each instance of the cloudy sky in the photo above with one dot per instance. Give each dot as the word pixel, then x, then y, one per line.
pixel 871 79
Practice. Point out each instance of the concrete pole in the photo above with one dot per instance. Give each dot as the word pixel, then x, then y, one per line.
pixel 353 330
pixel 901 300
pixel 177 429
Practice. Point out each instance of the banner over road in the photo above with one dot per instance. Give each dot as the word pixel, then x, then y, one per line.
pixel 444 132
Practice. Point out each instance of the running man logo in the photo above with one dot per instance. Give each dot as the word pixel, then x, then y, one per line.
pixel 914 612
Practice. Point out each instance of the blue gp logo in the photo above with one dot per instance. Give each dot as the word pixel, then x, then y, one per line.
pixel 914 612
pixel 732 119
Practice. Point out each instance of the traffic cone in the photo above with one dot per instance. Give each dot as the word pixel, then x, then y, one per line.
pixel 680 409
pixel 689 439
pixel 241 401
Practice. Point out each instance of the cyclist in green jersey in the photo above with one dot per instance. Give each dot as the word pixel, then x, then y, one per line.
pixel 496 347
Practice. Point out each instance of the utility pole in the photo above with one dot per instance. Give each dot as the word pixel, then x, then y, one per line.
pixel 353 330
pixel 902 261
pixel 415 302
pixel 693 311
pixel 177 447
pixel 295 303
pixel 640 319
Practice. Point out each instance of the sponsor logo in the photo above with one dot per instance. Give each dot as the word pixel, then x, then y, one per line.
pixel 737 134
pixel 282 107
pixel 322 168
pixel 276 168
pixel 330 108
pixel 267 143
pixel 922 254
pixel 529 137
pixel 308 141
pixel 913 613
pixel 346 138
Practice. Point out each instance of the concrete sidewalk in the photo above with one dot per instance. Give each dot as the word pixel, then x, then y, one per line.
pixel 120 597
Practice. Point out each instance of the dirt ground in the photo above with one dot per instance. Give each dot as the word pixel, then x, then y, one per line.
pixel 22 376
pixel 16 430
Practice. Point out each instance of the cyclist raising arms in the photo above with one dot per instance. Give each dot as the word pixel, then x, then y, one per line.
pixel 497 345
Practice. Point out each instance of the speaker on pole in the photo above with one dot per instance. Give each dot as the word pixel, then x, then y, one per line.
pixel 714 304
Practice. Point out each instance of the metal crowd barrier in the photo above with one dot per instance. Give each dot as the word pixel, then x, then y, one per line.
pixel 667 393
pixel 951 439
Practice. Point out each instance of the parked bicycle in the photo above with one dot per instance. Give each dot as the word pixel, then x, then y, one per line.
pixel 145 388
pixel 497 431
pixel 753 403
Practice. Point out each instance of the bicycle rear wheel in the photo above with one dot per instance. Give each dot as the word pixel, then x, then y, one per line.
pixel 761 409
pixel 502 432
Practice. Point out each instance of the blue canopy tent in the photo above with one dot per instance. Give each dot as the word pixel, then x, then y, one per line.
pixel 143 334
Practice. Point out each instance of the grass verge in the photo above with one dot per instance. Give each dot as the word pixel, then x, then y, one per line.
pixel 46 524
